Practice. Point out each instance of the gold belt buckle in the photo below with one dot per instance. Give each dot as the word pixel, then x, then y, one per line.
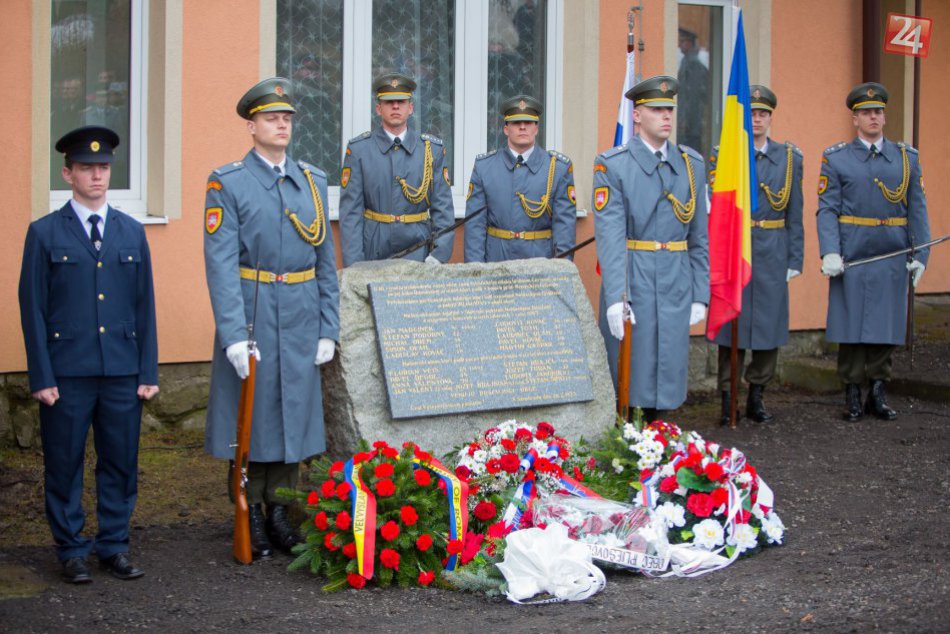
pixel 397 218
pixel 279 277
pixel 661 246
pixel 882 222
pixel 516 234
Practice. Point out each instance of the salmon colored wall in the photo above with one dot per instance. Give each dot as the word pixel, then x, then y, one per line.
pixel 15 177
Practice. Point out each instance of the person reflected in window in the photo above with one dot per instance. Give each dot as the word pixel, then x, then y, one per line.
pixel 693 77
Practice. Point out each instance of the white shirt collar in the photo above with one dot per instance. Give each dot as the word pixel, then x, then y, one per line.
pixel 392 137
pixel 879 143
pixel 765 147
pixel 663 149
pixel 84 212
pixel 524 154
pixel 273 165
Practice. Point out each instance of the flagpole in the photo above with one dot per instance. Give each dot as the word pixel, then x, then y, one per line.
pixel 734 373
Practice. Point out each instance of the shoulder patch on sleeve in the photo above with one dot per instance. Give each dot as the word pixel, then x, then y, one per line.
pixel 429 137
pixel 304 165
pixel 822 184
pixel 834 148
pixel 213 218
pixel 600 167
pixel 213 184
pixel 485 155
pixel 230 167
pixel 360 137
pixel 690 151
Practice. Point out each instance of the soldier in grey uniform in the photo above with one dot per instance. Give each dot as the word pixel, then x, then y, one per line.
pixel 778 244
pixel 651 227
pixel 394 189
pixel 524 193
pixel 265 219
pixel 870 201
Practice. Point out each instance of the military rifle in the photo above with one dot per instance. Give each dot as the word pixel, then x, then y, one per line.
pixel 241 548
pixel 893 254
pixel 575 249
pixel 430 241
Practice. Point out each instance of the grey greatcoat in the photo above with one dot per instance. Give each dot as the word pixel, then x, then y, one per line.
pixel 255 226
pixel 660 285
pixel 494 187
pixel 369 182
pixel 868 303
pixel 763 322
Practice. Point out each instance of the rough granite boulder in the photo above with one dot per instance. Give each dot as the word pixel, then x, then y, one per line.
pixel 354 390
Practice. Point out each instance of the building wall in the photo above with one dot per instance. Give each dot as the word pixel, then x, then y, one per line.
pixel 222 57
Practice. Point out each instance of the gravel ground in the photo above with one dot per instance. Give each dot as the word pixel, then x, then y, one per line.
pixel 865 505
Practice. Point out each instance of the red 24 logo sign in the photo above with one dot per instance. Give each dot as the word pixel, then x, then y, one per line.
pixel 907 35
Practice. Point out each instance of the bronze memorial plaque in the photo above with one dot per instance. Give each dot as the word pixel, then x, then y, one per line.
pixel 463 345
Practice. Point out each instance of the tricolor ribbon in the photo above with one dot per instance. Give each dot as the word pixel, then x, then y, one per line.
pixel 363 510
pixel 457 494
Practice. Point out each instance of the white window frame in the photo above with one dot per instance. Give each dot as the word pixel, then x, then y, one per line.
pixel 471 85
pixel 132 200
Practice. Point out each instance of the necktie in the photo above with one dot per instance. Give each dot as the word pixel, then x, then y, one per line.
pixel 759 154
pixel 397 143
pixel 94 235
pixel 278 171
pixel 520 161
pixel 873 150
pixel 659 157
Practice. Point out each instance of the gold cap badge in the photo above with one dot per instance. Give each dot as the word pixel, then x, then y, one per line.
pixel 521 105
pixel 664 86
pixel 394 83
pixel 94 146
pixel 757 94
pixel 870 92
pixel 279 90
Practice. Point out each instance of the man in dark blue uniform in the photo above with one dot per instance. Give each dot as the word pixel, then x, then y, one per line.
pixel 88 314
pixel 525 191
pixel 778 246
pixel 870 201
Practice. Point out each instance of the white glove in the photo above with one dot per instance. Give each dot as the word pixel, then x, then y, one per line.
pixel 790 274
pixel 237 355
pixel 431 259
pixel 615 316
pixel 916 270
pixel 832 265
pixel 326 348
pixel 697 313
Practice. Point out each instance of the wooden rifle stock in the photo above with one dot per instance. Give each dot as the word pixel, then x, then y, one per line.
pixel 242 527
pixel 623 373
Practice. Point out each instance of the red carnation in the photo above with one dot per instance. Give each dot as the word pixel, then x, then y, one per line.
pixel 343 490
pixel 380 444
pixel 355 580
pixel 362 456
pixel 485 510
pixel 350 550
pixel 473 448
pixel 343 520
pixel 522 434
pixel 700 504
pixel 491 431
pixel 714 471
pixel 510 462
pixel 528 477
pixel 389 531
pixel 719 497
pixel 328 541
pixel 454 546
pixel 578 475
pixel 591 462
pixel 669 485
pixel 383 470
pixel 423 456
pixel 320 521
pixel 441 485
pixel 337 467
pixel 493 466
pixel 327 488
pixel 544 430
pixel 408 515
pixel 563 453
pixel 422 477
pixel 463 472
pixel 472 489
pixel 424 542
pixel 426 577
pixel 385 488
pixel 473 543
pixel 498 530
pixel 312 498
pixel 389 558
pixel 542 464
pixel 508 444
pixel 389 452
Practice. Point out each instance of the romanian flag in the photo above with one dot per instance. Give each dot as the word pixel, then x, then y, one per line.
pixel 733 199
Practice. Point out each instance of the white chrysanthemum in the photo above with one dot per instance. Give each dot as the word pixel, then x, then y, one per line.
pixel 707 534
pixel 616 465
pixel 480 455
pixel 629 431
pixel 646 462
pixel 757 512
pixel 743 538
pixel 774 528
pixel 671 513
pixel 744 478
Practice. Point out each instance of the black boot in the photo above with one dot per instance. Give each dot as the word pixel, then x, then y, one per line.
pixel 877 402
pixel 279 528
pixel 649 414
pixel 852 402
pixel 726 416
pixel 754 407
pixel 260 545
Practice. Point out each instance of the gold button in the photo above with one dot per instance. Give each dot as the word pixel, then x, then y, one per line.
pixel 102 328
pixel 98 265
pixel 65 257
pixel 101 297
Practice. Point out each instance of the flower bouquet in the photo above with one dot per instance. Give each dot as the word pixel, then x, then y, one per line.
pixel 615 533
pixel 385 515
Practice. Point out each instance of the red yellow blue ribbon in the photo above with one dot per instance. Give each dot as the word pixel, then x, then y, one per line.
pixel 457 494
pixel 363 510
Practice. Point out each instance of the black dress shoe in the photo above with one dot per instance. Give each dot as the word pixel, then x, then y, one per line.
pixel 75 570
pixel 282 534
pixel 754 407
pixel 852 403
pixel 120 567
pixel 260 546
pixel 877 402
pixel 726 415
pixel 649 414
